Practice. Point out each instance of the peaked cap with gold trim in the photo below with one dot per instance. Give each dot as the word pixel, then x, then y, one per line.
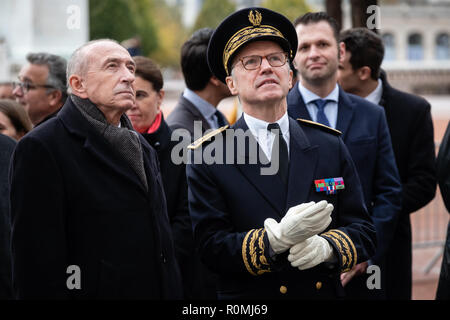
pixel 243 27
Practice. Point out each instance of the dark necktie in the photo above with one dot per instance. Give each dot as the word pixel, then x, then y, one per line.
pixel 221 121
pixel 280 146
pixel 321 117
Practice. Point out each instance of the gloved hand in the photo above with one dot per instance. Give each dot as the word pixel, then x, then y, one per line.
pixel 310 253
pixel 299 223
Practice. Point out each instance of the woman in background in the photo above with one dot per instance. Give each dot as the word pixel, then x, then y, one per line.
pixel 147 119
pixel 14 120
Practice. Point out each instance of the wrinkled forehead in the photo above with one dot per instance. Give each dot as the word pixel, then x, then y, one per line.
pixel 101 52
pixel 315 31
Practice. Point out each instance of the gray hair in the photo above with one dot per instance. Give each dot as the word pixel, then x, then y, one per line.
pixel 56 70
pixel 78 63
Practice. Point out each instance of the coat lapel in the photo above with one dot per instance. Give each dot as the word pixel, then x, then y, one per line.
pixel 95 144
pixel 196 114
pixel 296 105
pixel 269 186
pixel 345 113
pixel 302 165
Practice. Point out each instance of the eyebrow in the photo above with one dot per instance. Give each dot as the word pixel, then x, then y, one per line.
pixel 119 60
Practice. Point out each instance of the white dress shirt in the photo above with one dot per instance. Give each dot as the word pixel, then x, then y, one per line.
pixel 375 95
pixel 264 137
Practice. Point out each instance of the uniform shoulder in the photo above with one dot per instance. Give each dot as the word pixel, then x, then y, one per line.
pixel 207 137
pixel 319 126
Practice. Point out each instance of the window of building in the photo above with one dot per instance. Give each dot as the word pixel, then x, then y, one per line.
pixel 442 46
pixel 415 47
pixel 389 46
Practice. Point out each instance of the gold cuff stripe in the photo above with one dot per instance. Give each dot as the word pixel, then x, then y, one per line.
pixel 243 36
pixel 347 243
pixel 348 252
pixel 345 257
pixel 253 252
pixel 338 244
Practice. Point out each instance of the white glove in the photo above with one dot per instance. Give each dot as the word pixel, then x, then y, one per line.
pixel 299 223
pixel 310 253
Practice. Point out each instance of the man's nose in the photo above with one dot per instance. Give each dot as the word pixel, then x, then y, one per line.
pixel 313 52
pixel 128 75
pixel 265 65
pixel 17 91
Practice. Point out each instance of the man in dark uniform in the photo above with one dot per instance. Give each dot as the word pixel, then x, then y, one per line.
pixel 283 222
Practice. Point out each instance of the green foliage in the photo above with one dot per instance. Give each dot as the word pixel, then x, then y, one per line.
pixel 123 19
pixel 213 12
pixel 170 32
pixel 290 8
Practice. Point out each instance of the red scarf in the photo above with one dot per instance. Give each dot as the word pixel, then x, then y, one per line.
pixel 155 125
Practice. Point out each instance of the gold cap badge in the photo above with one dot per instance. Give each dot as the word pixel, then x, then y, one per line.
pixel 255 20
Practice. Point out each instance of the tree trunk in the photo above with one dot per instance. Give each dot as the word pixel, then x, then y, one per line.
pixel 333 8
pixel 359 12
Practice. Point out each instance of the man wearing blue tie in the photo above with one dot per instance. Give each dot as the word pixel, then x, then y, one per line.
pixel 318 97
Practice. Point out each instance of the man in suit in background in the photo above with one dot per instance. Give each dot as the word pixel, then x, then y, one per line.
pixel 411 128
pixel 204 91
pixel 7 146
pixel 364 131
pixel 42 89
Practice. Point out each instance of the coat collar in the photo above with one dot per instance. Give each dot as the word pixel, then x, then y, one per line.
pixel 161 137
pixel 195 112
pixel 96 145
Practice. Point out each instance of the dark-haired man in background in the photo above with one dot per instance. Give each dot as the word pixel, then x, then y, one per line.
pixel 318 97
pixel 204 91
pixel 411 128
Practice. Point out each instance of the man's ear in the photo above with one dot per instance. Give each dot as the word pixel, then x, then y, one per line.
pixel 215 81
pixel 231 85
pixel 341 52
pixel 54 98
pixel 291 76
pixel 364 73
pixel 160 97
pixel 77 86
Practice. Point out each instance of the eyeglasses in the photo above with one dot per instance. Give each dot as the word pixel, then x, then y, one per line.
pixel 276 59
pixel 27 86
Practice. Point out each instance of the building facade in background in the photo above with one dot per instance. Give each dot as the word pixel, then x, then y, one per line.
pixel 55 26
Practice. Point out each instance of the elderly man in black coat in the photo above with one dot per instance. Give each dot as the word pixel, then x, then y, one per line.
pixel 6 149
pixel 89 218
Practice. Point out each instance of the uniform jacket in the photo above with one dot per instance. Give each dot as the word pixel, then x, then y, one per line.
pixel 411 127
pixel 7 146
pixel 229 203
pixel 365 133
pixel 75 202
